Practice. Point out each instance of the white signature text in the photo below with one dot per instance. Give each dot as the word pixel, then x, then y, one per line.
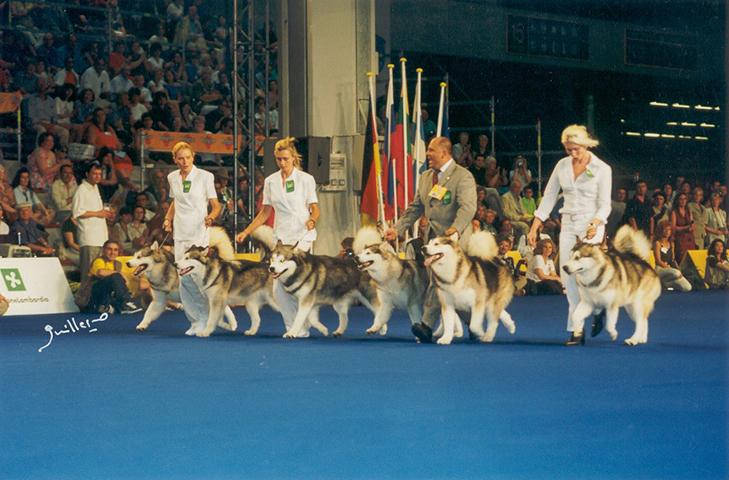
pixel 72 326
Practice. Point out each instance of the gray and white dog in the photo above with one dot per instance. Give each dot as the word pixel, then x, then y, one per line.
pixel 472 282
pixel 158 266
pixel 228 282
pixel 400 283
pixel 620 277
pixel 316 280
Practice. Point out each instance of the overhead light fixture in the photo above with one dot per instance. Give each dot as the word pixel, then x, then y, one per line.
pixel 707 125
pixel 701 138
pixel 688 124
pixel 673 124
pixel 622 120
pixel 632 134
pixel 658 104
pixel 716 108
pixel 652 135
pixel 665 135
pixel 685 137
pixel 703 107
pixel 680 105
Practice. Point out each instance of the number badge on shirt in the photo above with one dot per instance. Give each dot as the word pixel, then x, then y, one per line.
pixel 186 186
pixel 289 186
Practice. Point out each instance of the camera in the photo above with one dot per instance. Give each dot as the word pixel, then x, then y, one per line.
pixel 520 164
pixel 349 253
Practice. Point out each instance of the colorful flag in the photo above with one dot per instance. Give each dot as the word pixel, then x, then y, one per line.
pixel 420 164
pixel 401 187
pixel 372 205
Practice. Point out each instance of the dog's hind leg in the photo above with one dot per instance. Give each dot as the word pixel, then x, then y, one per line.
pixel 492 323
pixel 313 321
pixel 475 325
pixel 155 309
pixel 231 323
pixel 507 321
pixel 638 313
pixel 611 321
pixel 342 309
pixel 253 307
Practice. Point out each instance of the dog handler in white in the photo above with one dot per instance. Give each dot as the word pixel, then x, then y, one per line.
pixel 586 182
pixel 191 189
pixel 291 194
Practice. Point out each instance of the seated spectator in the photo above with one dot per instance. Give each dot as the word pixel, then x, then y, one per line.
pixel 478 170
pixel 109 290
pixel 524 247
pixel 716 227
pixel 83 114
pixel 62 191
pixel 64 105
pixel 109 184
pixel 25 195
pixel 478 218
pixel 155 231
pixel 495 177
pixel 481 150
pixel 205 97
pixel 121 83
pixel 669 194
pixel 161 112
pixel 528 202
pixel 96 78
pixel 42 113
pixel 717 266
pixel 159 39
pixel 42 71
pixel 511 203
pixel 542 278
pixel 553 225
pixel 489 197
pixel 520 171
pixel 67 74
pixel 4 228
pixel 69 248
pixel 489 222
pixel 172 86
pixel 7 197
pixel 190 31
pixel 683 227
pixel 101 135
pixel 137 60
pixel 129 229
pixel 518 271
pixel 143 201
pixel 666 267
pixel 42 164
pixel 462 150
pixel 26 230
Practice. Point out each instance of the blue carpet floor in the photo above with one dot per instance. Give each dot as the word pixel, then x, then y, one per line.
pixel 116 403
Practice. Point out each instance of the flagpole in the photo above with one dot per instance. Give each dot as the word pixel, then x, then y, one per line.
pixel 376 153
pixel 405 133
pixel 417 113
pixel 390 103
pixel 439 131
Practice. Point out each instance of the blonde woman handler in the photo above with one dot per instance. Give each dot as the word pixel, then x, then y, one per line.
pixel 191 190
pixel 586 182
pixel 291 193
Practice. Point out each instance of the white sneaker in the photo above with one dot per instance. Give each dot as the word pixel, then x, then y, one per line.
pixel 130 307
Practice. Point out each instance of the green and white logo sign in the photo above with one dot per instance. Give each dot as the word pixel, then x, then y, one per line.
pixel 13 280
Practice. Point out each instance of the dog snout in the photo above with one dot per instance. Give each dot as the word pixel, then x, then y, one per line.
pixel 271 269
pixel 565 269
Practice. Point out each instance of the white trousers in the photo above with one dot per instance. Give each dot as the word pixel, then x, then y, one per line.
pixel 194 301
pixel 571 228
pixel 287 303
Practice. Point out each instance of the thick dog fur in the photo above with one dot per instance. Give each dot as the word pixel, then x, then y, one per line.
pixel 157 265
pixel 620 277
pixel 316 280
pixel 400 283
pixel 472 282
pixel 229 282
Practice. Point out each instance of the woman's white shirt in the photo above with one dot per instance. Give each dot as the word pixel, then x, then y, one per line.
pixel 538 262
pixel 589 194
pixel 290 200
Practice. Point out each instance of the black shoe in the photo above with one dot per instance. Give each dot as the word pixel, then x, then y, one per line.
pixel 130 307
pixel 598 323
pixel 576 339
pixel 423 332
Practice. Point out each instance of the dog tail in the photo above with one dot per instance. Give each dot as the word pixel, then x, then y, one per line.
pixel 263 235
pixel 632 241
pixel 366 236
pixel 482 245
pixel 221 241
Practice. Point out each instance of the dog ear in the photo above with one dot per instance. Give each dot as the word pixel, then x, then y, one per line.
pixel 155 245
pixel 454 237
pixel 295 245
pixel 279 243
pixel 578 240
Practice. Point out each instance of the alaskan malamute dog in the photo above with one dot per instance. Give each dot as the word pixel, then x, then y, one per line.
pixel 157 264
pixel 228 282
pixel 316 280
pixel 472 282
pixel 400 283
pixel 620 277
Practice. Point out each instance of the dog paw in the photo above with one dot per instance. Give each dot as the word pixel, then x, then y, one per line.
pixel 335 334
pixel 288 335
pixel 141 328
pixel 203 334
pixel 372 331
pixel 613 334
pixel 250 332
pixel 486 338
pixel 444 341
pixel 383 330
pixel 191 331
pixel 631 341
pixel 511 328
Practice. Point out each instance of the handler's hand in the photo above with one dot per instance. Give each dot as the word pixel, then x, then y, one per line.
pixel 208 221
pixel 241 236
pixel 591 232
pixel 532 237
pixel 167 225
pixel 310 224
pixel 390 234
